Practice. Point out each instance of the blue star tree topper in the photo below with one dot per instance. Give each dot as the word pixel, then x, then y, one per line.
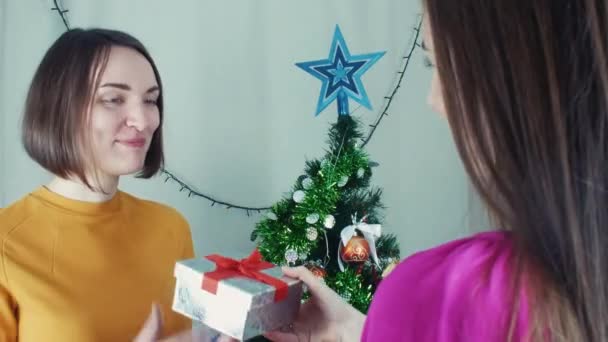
pixel 340 75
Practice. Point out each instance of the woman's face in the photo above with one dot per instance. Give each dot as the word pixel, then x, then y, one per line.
pixel 124 114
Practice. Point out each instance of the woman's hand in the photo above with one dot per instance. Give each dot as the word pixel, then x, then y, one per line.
pixel 325 317
pixel 152 329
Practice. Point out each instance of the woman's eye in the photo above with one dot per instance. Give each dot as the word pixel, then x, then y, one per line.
pixel 113 100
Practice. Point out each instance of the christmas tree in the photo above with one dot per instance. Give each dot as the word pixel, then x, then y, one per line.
pixel 331 221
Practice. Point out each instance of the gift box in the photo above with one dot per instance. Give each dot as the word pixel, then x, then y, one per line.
pixel 241 298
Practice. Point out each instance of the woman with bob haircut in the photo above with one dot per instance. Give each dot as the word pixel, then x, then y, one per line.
pixel 81 260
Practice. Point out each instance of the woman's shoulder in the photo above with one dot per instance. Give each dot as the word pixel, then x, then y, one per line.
pixel 466 254
pixel 457 291
pixel 16 213
pixel 152 210
pixel 160 216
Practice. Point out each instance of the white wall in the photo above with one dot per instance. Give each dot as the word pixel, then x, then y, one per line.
pixel 2 101
pixel 239 114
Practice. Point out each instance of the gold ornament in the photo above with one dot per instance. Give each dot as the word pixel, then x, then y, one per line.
pixel 391 266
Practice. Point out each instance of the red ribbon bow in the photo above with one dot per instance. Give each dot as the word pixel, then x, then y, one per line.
pixel 249 267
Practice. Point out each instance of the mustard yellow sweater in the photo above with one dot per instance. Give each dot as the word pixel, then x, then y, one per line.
pixel 81 271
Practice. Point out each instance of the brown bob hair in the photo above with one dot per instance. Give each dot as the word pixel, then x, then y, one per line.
pixel 60 97
pixel 525 87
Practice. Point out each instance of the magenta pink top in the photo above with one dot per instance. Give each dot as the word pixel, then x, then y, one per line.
pixel 459 291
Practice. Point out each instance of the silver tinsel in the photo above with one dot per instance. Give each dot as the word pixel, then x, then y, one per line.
pixel 360 172
pixel 291 255
pixel 307 183
pixel 329 222
pixel 299 196
pixel 312 218
pixel 311 233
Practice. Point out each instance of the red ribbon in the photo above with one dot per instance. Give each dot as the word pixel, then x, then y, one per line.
pixel 249 267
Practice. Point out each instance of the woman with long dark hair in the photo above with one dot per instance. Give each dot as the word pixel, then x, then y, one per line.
pixel 524 87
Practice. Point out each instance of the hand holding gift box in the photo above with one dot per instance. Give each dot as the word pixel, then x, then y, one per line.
pixel 239 298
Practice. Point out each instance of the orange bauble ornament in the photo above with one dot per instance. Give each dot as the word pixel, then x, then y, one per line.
pixel 356 250
pixel 318 271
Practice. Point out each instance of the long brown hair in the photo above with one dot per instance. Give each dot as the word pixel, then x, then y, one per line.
pixel 60 96
pixel 526 92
